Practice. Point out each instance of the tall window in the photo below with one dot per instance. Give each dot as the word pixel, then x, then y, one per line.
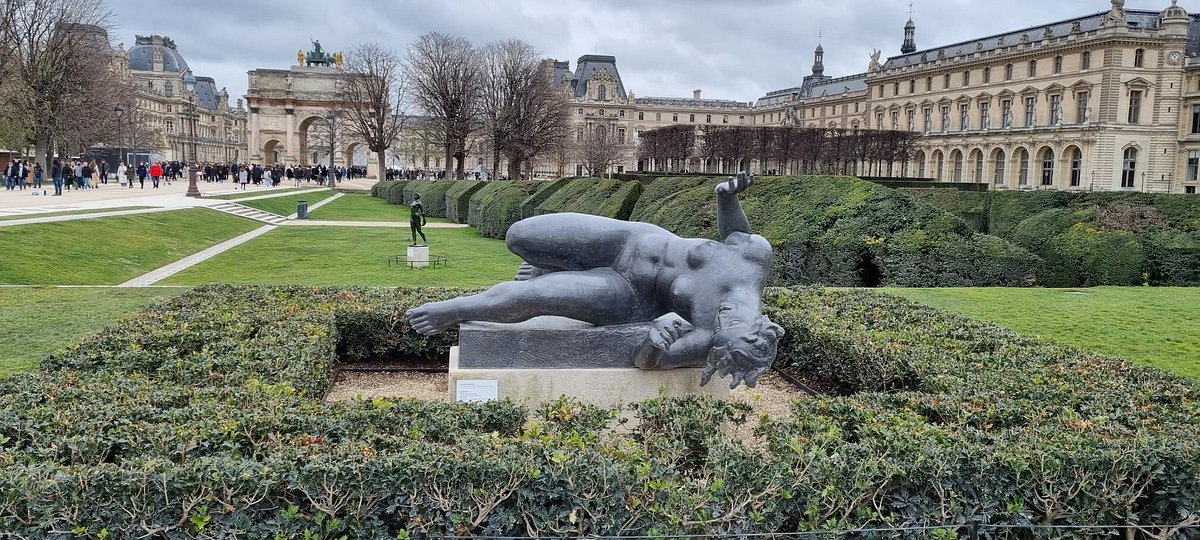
pixel 895 120
pixel 708 119
pixel 169 89
pixel 1076 167
pixel 1008 72
pixel 691 118
pixel 170 126
pixel 1057 64
pixel 1139 58
pixel 1033 68
pixel 1006 113
pixel 928 84
pixel 1135 106
pixel 1055 109
pixel 1081 106
pixel 920 165
pixel 1030 103
pixel 674 117
pixel 621 113
pixel 998 175
pixel 1085 60
pixel 912 119
pixel 896 88
pixel 602 93
pixel 879 120
pixel 725 119
pixel 966 78
pixel 912 86
pixel 958 166
pixel 641 116
pixel 987 75
pixel 928 121
pixel 1023 167
pixel 964 121
pixel 1195 119
pixel 946 81
pixel 658 116
pixel 985 115
pixel 1048 167
pixel 1193 167
pixel 1129 170
pixel 945 118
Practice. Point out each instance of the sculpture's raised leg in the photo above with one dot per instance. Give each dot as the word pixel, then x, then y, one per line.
pixel 599 296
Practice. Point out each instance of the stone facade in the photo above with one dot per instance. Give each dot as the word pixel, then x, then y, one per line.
pixel 1108 101
pixel 201 119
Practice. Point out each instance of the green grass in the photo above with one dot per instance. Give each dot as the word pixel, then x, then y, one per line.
pixel 285 205
pixel 355 207
pixel 1154 326
pixel 254 193
pixel 354 256
pixel 39 321
pixel 111 250
pixel 73 212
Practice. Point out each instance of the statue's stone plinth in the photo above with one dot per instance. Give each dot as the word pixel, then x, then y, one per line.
pixel 539 360
pixel 418 256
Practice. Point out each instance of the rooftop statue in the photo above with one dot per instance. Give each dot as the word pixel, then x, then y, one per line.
pixel 318 56
pixel 700 299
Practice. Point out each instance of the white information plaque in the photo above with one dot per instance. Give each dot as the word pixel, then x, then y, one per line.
pixel 475 391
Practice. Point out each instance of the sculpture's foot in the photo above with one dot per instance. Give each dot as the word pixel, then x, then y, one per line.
pixel 432 318
pixel 528 271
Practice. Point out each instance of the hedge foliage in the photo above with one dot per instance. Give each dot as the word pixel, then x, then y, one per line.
pixel 1087 239
pixel 433 194
pixel 458 199
pixel 608 198
pixel 200 417
pixel 496 206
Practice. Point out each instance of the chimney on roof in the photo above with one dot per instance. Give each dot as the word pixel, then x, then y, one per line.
pixel 696 94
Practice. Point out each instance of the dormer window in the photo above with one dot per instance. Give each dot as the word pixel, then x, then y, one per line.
pixel 602 93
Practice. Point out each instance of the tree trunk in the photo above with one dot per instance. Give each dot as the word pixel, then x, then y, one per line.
pixel 514 168
pixel 449 160
pixel 382 166
pixel 495 161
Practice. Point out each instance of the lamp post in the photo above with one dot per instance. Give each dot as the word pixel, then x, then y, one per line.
pixel 1143 181
pixel 189 80
pixel 117 110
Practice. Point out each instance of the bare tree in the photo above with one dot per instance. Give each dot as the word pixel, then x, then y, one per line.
pixel 599 150
pixel 525 113
pixel 443 75
pixel 60 53
pixel 372 94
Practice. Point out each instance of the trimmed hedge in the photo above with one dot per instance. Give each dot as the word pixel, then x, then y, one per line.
pixel 846 232
pixel 458 199
pixel 433 195
pixel 530 204
pixel 496 206
pixel 1085 239
pixel 608 198
pixel 199 417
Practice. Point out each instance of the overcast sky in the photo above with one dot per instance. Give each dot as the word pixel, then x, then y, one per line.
pixel 731 49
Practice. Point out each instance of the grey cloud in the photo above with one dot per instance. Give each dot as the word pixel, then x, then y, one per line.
pixel 731 49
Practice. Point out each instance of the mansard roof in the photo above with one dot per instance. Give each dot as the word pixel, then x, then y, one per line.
pixel 591 64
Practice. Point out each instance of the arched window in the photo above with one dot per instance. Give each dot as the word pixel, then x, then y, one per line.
pixel 1076 167
pixel 602 93
pixel 1139 58
pixel 958 166
pixel 1048 167
pixel 1023 167
pixel 939 163
pixel 920 164
pixel 581 112
pixel 1129 170
pixel 977 158
pixel 998 175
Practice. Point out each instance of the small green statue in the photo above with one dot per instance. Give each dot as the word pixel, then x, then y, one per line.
pixel 416 220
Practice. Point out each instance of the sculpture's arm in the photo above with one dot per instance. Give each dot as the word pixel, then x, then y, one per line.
pixel 730 216
pixel 665 348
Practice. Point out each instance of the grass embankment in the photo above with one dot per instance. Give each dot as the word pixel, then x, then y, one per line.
pixel 1154 326
pixel 354 256
pixel 42 320
pixel 72 212
pixel 355 207
pixel 111 250
pixel 285 204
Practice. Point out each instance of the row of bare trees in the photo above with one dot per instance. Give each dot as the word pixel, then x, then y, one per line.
pixel 59 91
pixel 502 94
pixel 787 149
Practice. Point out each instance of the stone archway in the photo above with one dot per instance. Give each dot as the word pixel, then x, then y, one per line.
pixel 272 152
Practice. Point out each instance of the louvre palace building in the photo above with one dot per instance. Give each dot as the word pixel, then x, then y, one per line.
pixel 1105 101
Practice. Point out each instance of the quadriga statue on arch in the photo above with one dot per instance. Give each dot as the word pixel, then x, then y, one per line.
pixel 701 299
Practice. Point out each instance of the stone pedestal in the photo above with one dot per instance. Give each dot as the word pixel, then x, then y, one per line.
pixel 542 359
pixel 418 256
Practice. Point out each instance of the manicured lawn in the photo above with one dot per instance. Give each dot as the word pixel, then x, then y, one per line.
pixel 1155 326
pixel 354 256
pixel 355 207
pixel 111 250
pixel 285 204
pixel 38 321
pixel 252 192
pixel 72 212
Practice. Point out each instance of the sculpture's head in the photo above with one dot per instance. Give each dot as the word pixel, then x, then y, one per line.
pixel 744 350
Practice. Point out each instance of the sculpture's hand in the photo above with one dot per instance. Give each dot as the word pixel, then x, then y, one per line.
pixel 733 186
pixel 666 330
pixel 742 372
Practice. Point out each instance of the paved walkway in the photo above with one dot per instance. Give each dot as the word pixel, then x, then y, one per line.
pixel 396 224
pixel 154 276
